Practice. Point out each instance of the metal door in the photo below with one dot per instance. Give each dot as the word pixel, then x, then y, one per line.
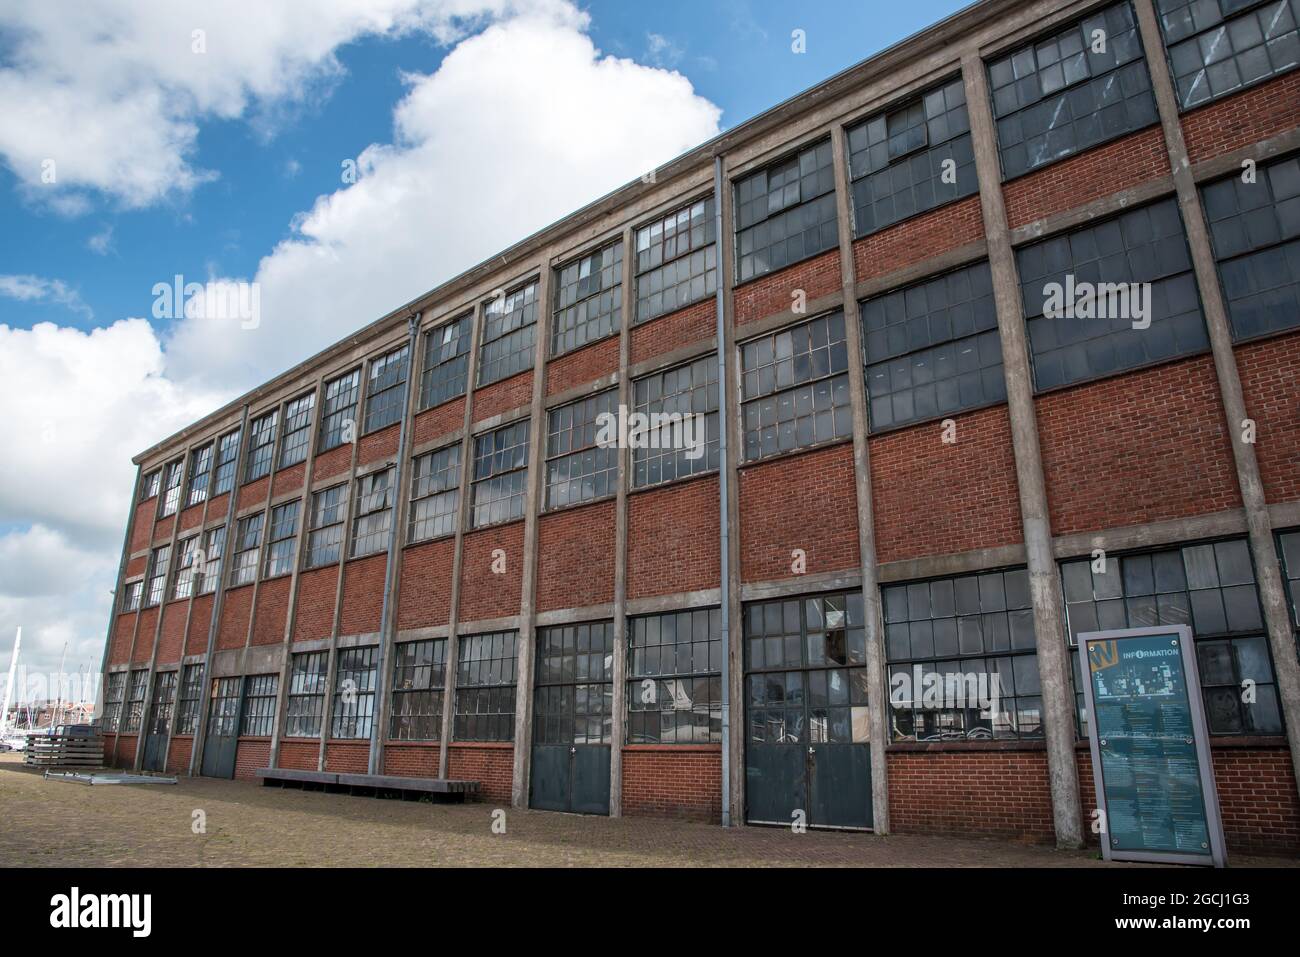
pixel 572 719
pixel 222 740
pixel 158 730
pixel 807 757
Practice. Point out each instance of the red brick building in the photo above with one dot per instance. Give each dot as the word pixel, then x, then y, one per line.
pixel 414 555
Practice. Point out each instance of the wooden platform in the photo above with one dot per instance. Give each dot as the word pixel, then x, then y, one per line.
pixel 367 783
pixel 64 751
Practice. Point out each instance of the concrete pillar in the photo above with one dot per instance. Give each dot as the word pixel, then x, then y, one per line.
pixel 619 665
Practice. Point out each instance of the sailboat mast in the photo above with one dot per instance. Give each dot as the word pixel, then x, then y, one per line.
pixel 9 685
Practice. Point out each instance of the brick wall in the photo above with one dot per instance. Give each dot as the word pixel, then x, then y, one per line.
pixel 120 648
pixel 1270 379
pixel 254 493
pixel 441 419
pixel 251 754
pixel 672 539
pixel 162 530
pixel 425 595
pixel 137 566
pixel 1138 448
pixel 191 517
pixel 314 616
pixel 932 498
pixel 363 595
pixel 482 593
pixel 503 396
pixel 411 760
pixel 142 524
pixel 378 446
pixel 582 365
pixel 575 557
pixel 695 323
pixel 1258 800
pixel 806 501
pixel 348 757
pixel 918 238
pixel 491 765
pixel 172 639
pixel 272 611
pixel 299 755
pixel 196 639
pixel 334 462
pixel 143 648
pixel 178 754
pixel 232 630
pixel 288 480
pixel 773 293
pixel 125 756
pixel 673 782
pixel 1236 121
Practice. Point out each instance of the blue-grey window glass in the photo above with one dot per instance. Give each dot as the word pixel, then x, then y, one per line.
pixel 354 693
pixel 674 688
pixel 687 391
pixel 158 565
pixel 419 668
pixel 577 468
pixel 131 595
pixel 932 348
pixel 261 446
pixel 248 541
pixel 281 540
pixel 1079 87
pixel 186 571
pixel 305 701
pixel 149 488
pixel 191 691
pixel 1255 228
pixel 374 514
pixel 1218 46
pixel 509 334
pixel 386 389
pixel 171 485
pixel 135 701
pixel 223 480
pixel 114 691
pixel 500 471
pixel 485 687
pixel 588 299
pixel 785 212
pixel 435 494
pixel 297 429
pixel 574 698
pixel 329 510
pixel 1290 550
pixel 200 475
pixel 795 387
pixel 676 260
pixel 446 362
pixel 911 158
pixel 338 424
pixel 258 717
pixel 209 576
pixel 1141 246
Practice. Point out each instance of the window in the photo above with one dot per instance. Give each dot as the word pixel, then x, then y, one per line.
pixel 227 453
pixel 785 213
pixel 588 299
pixel 1058 96
pixel 172 487
pixel 279 550
pixel 500 470
pixel 150 486
pixel 223 707
pixel 687 391
pixel 1255 229
pixel 374 518
pixel 1217 46
pixel 932 348
pixel 131 595
pixel 297 430
pixel 509 333
pixel 329 509
pixel 577 469
pixel 911 158
pixel 1209 587
pixel 354 693
pixel 261 446
pixel 418 675
pixel 795 387
pixel 200 474
pixel 1140 255
pixel 187 714
pixel 135 702
pixel 975 634
pixel 248 539
pixel 674 688
pixel 446 362
pixel 214 542
pixel 339 423
pixel 305 704
pixel 676 260
pixel 164 699
pixel 158 564
pixel 183 583
pixel 485 688
pixel 575 692
pixel 386 389
pixel 259 706
pixel 114 687
pixel 435 494
pixel 1289 547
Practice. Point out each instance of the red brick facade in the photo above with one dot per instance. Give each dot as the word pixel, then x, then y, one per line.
pixel 581 366
pixel 483 592
pixel 503 396
pixel 492 765
pixel 1237 121
pixel 918 239
pixel 575 551
pixel 1270 380
pixel 426 584
pixel 678 782
pixel 673 539
pixel 695 323
pixel 774 293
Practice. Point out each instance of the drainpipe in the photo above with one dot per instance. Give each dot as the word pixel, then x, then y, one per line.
pixel 724 532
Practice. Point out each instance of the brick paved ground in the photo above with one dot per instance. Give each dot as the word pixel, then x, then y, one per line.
pixel 54 823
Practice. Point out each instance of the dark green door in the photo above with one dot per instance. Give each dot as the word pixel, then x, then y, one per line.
pixel 158 730
pixel 572 719
pixel 222 739
pixel 807 757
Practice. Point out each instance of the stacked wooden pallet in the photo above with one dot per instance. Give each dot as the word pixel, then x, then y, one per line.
pixel 64 751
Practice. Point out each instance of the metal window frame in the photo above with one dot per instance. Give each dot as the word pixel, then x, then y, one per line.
pixel 455 449
pixel 549 458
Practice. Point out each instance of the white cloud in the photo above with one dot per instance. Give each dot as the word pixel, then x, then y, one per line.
pixel 101 243
pixel 38 289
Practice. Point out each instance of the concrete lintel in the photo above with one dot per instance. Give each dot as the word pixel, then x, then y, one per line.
pixel 574 393
pixel 801 585
pixel 787 317
pixel 679 601
pixel 960 563
pixel 1155 534
pixel 1099 208
pixel 571 616
pixel 674 357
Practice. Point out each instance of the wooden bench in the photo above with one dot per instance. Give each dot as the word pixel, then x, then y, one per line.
pixel 352 783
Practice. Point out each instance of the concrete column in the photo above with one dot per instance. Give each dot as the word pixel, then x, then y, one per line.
pixel 117 600
pixel 1268 573
pixel 1044 578
pixel 878 702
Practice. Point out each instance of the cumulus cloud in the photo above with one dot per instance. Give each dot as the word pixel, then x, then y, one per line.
pixel 38 289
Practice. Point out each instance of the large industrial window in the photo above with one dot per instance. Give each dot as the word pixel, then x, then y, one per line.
pixel 509 334
pixel 135 702
pixel 485 687
pixel 932 348
pixel 795 387
pixel 1096 280
pixel 114 690
pixel 131 595
pixel 1210 587
pixel 786 212
pixel 435 494
pixel 297 430
pixel 386 389
pixel 280 542
pixel 305 703
pixel 957 647
pixel 354 693
pixel 248 539
pixel 1255 228
pixel 259 705
pixel 214 542
pixel 186 571
pixel 227 454
pixel 1218 46
pixel 200 474
pixel 149 487
pixel 1062 94
pixel 588 299
pixel 689 392
pixel 418 675
pixel 911 158
pixel 158 565
pixel 575 692
pixel 159 716
pixel 577 469
pixel 329 510
pixel 374 515
pixel 446 362
pixel 187 710
pixel 261 446
pixel 1289 546
pixel 339 423
pixel 676 260
pixel 172 487
pixel 500 473
pixel 674 688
